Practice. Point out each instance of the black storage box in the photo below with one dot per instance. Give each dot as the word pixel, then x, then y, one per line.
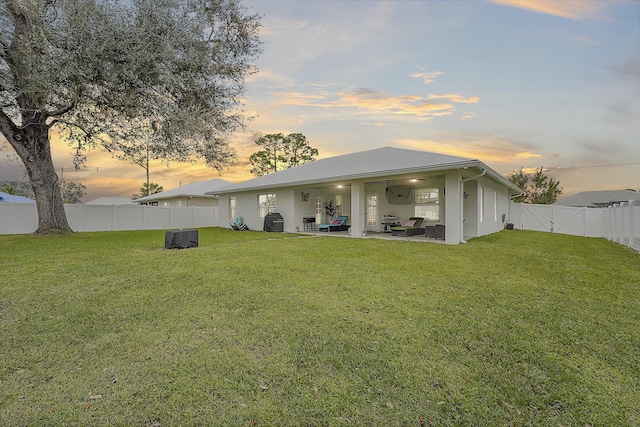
pixel 181 239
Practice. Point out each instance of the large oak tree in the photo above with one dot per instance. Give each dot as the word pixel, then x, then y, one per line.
pixel 117 74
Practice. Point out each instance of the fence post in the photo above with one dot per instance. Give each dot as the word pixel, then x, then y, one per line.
pixel 637 226
pixel 630 235
pixel 614 223
pixel 609 221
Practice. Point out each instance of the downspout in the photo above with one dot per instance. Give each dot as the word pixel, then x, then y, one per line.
pixel 461 192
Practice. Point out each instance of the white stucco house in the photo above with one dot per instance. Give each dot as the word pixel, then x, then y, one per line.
pixel 10 198
pixel 201 193
pixel 376 188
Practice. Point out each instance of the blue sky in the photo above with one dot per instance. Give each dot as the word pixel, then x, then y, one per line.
pixel 516 85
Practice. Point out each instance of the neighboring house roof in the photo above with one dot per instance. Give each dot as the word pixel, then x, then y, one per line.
pixel 110 201
pixel 594 199
pixel 195 189
pixel 10 198
pixel 374 163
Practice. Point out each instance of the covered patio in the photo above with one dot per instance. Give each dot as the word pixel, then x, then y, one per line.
pixel 378 207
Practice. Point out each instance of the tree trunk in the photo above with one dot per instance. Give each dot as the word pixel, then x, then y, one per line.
pixel 52 217
pixel 32 146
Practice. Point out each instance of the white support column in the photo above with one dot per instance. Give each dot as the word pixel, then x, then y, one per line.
pixel 453 207
pixel 358 220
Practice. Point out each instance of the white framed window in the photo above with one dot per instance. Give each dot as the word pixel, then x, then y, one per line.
pixel 426 203
pixel 372 211
pixel 232 207
pixel 319 206
pixel 266 204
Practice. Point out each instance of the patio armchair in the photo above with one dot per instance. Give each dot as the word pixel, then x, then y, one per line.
pixel 410 228
pixel 339 224
pixel 239 224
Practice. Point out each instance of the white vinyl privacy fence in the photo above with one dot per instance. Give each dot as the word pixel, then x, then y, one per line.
pixel 623 224
pixel 619 223
pixel 22 218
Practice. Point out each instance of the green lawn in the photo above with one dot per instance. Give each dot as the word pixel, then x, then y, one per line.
pixel 262 329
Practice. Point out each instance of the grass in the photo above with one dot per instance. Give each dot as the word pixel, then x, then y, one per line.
pixel 261 329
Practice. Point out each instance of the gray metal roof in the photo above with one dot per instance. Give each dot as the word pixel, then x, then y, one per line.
pixel 195 189
pixel 374 163
pixel 598 198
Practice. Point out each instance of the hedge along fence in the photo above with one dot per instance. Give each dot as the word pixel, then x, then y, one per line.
pixel 619 223
pixel 22 218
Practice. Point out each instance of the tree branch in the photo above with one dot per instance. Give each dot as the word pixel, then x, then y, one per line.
pixel 61 111
pixel 7 127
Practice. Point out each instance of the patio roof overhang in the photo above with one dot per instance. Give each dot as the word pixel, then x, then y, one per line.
pixel 470 168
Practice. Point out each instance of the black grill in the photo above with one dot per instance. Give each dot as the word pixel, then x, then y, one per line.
pixel 273 222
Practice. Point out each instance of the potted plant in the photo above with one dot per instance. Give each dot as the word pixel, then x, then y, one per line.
pixel 330 209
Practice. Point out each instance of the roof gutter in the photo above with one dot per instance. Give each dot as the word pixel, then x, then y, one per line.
pixel 513 188
pixel 484 171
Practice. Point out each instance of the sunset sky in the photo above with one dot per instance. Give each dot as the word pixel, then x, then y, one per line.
pixel 514 84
